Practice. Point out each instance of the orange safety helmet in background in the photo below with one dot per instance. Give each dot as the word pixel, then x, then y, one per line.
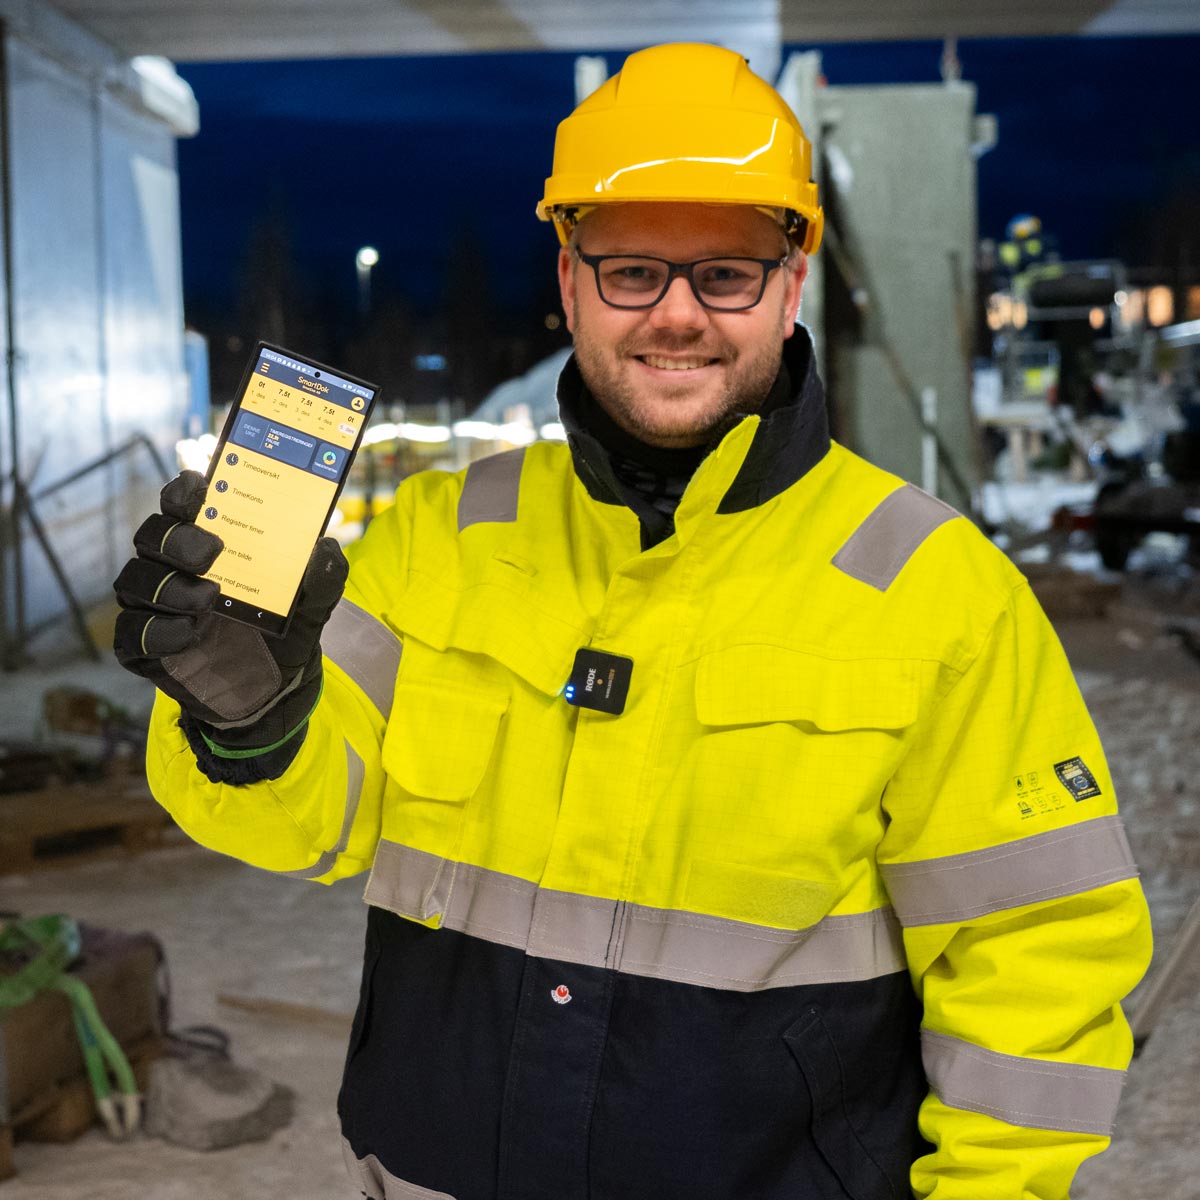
pixel 684 122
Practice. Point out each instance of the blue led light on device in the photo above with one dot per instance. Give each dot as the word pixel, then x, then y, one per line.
pixel 599 680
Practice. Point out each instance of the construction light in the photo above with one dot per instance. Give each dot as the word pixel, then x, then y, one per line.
pixel 1160 306
pixel 999 311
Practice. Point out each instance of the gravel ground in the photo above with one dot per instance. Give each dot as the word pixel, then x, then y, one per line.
pixel 227 929
pixel 230 929
pixel 1146 704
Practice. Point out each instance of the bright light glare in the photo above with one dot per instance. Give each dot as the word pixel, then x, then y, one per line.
pixel 1160 306
pixel 553 432
pixel 380 433
pixel 411 432
pixel 516 433
pixel 193 454
pixel 366 258
pixel 408 432
pixel 485 431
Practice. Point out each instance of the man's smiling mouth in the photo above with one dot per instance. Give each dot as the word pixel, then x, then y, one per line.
pixel 691 363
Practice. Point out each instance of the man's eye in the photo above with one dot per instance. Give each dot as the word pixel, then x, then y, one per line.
pixel 724 273
pixel 727 279
pixel 633 276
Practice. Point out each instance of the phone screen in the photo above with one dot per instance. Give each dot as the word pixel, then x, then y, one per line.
pixel 275 478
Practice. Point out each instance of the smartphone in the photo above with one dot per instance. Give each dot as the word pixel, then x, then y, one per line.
pixel 275 477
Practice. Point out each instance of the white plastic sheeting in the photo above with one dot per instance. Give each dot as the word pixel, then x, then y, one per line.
pixel 97 319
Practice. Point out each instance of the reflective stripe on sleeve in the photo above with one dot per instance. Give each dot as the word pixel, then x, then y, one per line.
pixel 1022 1091
pixel 877 550
pixel 490 489
pixel 1046 866
pixel 355 772
pixel 661 943
pixel 366 649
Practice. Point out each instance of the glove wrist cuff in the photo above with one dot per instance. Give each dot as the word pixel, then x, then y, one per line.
pixel 254 751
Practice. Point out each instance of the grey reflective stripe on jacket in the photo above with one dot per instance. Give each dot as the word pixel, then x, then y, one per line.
pixel 878 549
pixel 354 780
pixel 378 1183
pixel 662 943
pixel 1046 866
pixel 1022 1091
pixel 369 653
pixel 366 649
pixel 490 489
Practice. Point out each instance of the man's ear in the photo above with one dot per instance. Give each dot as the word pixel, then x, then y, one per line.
pixel 566 285
pixel 796 275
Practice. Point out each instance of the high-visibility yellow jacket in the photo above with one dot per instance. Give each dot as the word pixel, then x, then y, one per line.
pixel 839 906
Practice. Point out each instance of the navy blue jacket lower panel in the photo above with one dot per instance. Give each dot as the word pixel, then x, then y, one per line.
pixel 466 1075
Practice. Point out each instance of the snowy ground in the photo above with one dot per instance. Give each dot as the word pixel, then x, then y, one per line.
pixel 230 929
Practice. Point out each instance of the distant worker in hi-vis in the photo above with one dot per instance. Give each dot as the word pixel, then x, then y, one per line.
pixel 735 829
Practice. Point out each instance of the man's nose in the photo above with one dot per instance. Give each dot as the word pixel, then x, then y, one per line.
pixel 679 308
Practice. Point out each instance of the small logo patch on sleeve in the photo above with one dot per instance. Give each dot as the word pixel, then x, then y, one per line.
pixel 1077 779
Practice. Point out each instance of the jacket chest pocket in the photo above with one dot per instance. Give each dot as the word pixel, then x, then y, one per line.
pixel 439 744
pixel 795 749
pixel 761 684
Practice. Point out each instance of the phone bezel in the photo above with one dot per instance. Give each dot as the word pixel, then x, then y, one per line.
pixel 271 623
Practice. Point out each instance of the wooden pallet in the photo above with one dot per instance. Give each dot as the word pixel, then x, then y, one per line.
pixel 65 824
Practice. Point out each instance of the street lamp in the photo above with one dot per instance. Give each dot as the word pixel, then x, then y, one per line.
pixel 364 260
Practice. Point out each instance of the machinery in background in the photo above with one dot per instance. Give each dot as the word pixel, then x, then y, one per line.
pixel 1092 379
pixel 1156 490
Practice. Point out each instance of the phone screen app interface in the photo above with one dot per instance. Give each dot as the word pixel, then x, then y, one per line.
pixel 276 477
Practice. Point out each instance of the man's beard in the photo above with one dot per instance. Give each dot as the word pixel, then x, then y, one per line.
pixel 747 384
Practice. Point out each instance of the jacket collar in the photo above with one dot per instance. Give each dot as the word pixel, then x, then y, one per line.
pixel 791 438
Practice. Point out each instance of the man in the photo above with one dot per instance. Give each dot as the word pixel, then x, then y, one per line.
pixel 735 826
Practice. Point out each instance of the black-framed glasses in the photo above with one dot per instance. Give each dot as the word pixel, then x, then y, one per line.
pixel 640 281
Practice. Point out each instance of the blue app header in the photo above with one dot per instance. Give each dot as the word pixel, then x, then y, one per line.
pixel 312 381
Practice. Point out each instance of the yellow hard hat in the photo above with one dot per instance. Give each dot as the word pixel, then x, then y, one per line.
pixel 684 122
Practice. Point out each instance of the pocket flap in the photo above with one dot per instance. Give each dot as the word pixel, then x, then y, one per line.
pixel 496 622
pixel 439 739
pixel 754 684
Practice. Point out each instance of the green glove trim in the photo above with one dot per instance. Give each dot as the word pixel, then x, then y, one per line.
pixel 222 752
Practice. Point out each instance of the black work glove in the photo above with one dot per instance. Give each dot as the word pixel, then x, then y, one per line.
pixel 246 697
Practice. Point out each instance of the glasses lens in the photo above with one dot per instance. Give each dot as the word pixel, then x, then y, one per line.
pixel 729 282
pixel 631 280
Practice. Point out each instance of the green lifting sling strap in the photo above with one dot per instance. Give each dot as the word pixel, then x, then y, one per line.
pixel 48 945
